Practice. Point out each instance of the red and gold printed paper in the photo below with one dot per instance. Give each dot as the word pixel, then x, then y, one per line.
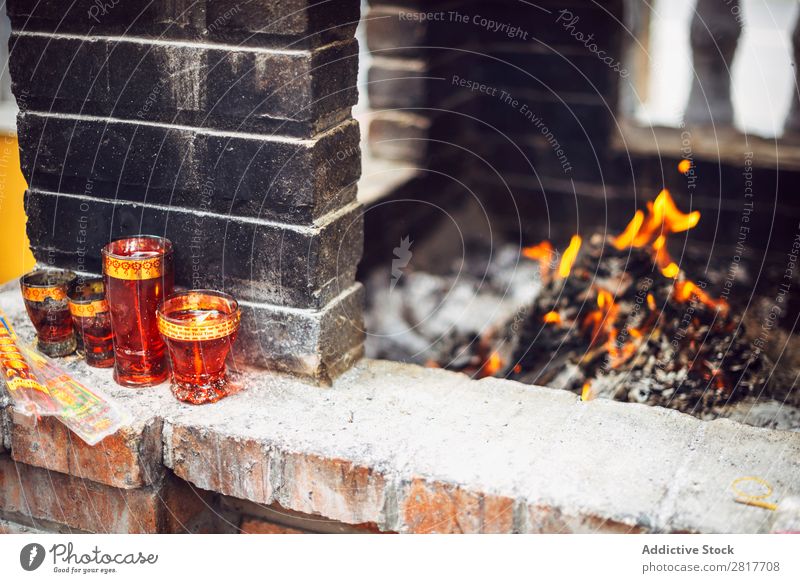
pixel 40 387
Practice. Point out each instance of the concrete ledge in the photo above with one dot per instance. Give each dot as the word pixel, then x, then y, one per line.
pixel 419 450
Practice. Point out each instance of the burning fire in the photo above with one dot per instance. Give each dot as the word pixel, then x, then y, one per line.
pixel 543 253
pixel 570 254
pixel 491 366
pixel 552 318
pixel 648 230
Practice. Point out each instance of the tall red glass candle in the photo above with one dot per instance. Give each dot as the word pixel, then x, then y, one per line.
pixel 138 275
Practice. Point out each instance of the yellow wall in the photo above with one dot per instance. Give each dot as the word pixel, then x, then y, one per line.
pixel 15 256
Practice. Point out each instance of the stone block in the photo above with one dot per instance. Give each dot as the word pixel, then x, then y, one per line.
pixel 284 92
pixel 260 261
pixel 245 175
pixel 290 23
pixel 317 344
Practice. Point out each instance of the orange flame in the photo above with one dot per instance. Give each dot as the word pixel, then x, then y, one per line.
pixel 684 166
pixel 491 366
pixel 552 318
pixel 602 319
pixel 685 290
pixel 663 217
pixel 543 253
pixel 586 392
pixel 651 302
pixel 625 239
pixel 570 254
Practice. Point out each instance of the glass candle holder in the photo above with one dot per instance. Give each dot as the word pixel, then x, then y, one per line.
pixel 199 327
pixel 90 314
pixel 138 275
pixel 45 295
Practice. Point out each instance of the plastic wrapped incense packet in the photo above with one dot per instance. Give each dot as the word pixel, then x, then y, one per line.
pixel 30 394
pixel 89 414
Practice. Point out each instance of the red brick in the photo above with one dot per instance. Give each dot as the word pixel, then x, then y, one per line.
pixel 547 520
pixel 433 507
pixel 334 488
pixel 130 458
pixel 247 469
pixel 252 525
pixel 43 495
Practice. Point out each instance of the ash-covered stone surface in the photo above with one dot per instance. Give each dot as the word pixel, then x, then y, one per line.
pixel 424 318
pixel 419 450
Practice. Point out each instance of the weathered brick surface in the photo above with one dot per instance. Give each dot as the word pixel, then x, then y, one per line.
pixel 249 469
pixel 431 507
pixel 130 458
pixel 42 498
pixel 319 344
pixel 255 260
pixel 240 174
pixel 294 23
pixel 51 496
pixel 543 519
pixel 303 93
pixel 11 527
pixel 252 525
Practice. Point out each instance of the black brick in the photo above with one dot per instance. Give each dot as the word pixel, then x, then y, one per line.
pixel 284 23
pixel 238 174
pixel 254 260
pixel 289 93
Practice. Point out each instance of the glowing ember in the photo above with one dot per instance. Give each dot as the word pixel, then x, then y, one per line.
pixel 651 302
pixel 491 366
pixel 543 253
pixel 552 318
pixel 570 254
pixel 586 393
pixel 684 166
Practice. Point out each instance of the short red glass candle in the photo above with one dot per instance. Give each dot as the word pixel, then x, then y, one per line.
pixel 138 275
pixel 45 295
pixel 199 327
pixel 90 314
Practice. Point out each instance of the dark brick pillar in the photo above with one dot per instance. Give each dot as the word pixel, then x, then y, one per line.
pixel 223 125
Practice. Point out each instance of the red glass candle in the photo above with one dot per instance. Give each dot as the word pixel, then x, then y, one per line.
pixel 138 275
pixel 90 314
pixel 199 327
pixel 45 295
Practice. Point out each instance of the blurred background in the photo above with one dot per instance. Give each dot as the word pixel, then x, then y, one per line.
pixel 15 255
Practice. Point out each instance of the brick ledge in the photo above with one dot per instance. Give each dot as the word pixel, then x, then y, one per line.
pixel 419 450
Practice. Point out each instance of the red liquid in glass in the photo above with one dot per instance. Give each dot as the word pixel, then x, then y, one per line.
pixel 199 328
pixel 140 353
pixel 198 367
pixel 98 340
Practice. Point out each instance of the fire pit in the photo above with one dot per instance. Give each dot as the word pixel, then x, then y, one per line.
pixel 608 317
